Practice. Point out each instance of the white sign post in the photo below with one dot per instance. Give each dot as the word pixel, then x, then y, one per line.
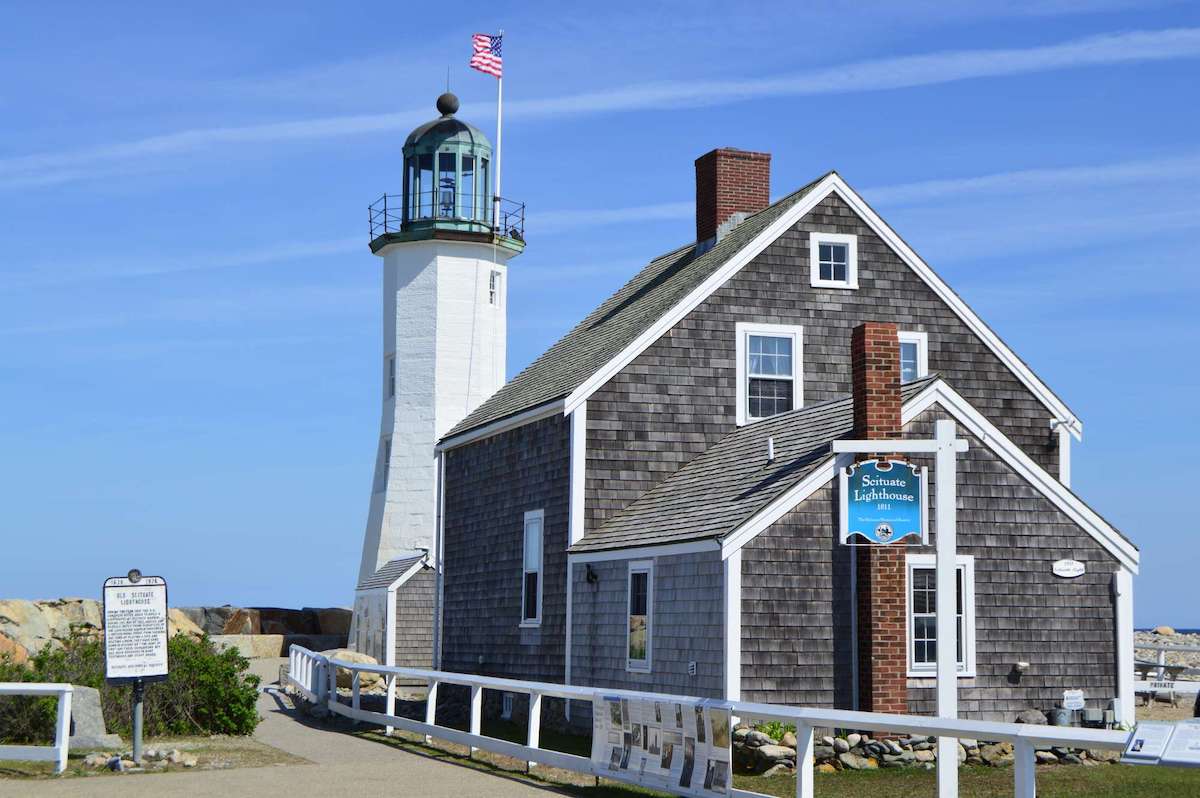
pixel 945 447
pixel 135 638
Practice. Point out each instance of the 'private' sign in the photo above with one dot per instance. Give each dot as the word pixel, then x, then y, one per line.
pixel 882 502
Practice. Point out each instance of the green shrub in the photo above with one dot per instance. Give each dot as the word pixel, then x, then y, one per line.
pixel 207 692
pixel 776 729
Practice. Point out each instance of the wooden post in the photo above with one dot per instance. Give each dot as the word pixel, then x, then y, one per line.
pixel 535 725
pixel 947 603
pixel 431 708
pixel 62 730
pixel 391 701
pixel 804 760
pixel 1024 770
pixel 476 714
pixel 354 693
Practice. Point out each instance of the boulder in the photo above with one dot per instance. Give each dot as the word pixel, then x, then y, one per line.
pixel 333 620
pixel 180 624
pixel 1104 755
pixel 281 621
pixel 779 769
pixel 1031 716
pixel 756 738
pixel 902 759
pixel 1046 757
pixel 788 740
pixel 853 739
pixel 242 622
pixel 1164 630
pixel 88 721
pixel 28 625
pixel 997 754
pixel 368 681
pixel 822 751
pixel 79 612
pixel 826 767
pixel 767 756
pixel 924 755
pixel 856 762
pixel 211 619
pixel 14 651
pixel 841 745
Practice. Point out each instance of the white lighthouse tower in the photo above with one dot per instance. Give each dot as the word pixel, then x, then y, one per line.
pixel 445 261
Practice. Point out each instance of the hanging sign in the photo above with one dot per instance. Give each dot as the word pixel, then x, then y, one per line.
pixel 1069 569
pixel 883 502
pixel 135 628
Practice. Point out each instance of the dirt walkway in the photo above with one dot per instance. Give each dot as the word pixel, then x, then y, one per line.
pixel 342 766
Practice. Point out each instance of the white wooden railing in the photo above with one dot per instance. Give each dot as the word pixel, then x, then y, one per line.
pixel 315 678
pixel 1161 680
pixel 56 753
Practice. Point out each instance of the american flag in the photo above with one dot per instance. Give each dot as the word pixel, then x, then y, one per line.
pixel 486 57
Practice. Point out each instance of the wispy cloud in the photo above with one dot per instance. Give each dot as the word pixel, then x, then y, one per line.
pixel 875 75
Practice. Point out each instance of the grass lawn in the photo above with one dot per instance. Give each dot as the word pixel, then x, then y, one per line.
pixel 214 753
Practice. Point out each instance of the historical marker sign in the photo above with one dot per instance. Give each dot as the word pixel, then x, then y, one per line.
pixel 135 628
pixel 1069 569
pixel 883 502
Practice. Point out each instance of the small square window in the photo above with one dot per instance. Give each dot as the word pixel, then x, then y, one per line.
pixel 834 260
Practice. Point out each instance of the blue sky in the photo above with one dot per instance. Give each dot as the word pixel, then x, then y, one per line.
pixel 189 320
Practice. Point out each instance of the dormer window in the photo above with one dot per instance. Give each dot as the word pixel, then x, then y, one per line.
pixel 834 260
pixel 769 374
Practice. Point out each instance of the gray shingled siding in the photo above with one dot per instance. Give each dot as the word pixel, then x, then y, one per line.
pixel 414 620
pixel 687 624
pixel 678 397
pixel 795 626
pixel 490 484
pixel 795 622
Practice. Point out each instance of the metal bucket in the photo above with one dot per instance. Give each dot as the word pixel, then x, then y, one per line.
pixel 1060 717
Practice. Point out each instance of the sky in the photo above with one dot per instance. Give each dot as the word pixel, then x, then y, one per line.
pixel 190 316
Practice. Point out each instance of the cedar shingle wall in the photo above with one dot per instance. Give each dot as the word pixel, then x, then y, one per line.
pixel 490 485
pixel 795 588
pixel 414 620
pixel 687 625
pixel 678 397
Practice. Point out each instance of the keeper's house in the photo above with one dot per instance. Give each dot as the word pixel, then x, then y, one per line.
pixel 611 517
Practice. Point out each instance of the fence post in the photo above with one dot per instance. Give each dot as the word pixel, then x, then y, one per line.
pixel 804 760
pixel 431 708
pixel 354 692
pixel 1162 664
pixel 535 725
pixel 62 730
pixel 476 714
pixel 1024 770
pixel 391 701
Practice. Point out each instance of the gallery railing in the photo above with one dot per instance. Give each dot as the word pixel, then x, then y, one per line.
pixel 390 214
pixel 315 678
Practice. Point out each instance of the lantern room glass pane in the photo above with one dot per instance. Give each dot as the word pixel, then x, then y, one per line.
pixel 485 204
pixel 447 185
pixel 410 186
pixel 467 193
pixel 425 186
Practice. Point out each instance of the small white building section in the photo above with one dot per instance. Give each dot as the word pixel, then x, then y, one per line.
pixel 445 246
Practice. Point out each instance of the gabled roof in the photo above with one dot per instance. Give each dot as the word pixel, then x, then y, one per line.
pixel 624 316
pixel 391 572
pixel 672 285
pixel 717 491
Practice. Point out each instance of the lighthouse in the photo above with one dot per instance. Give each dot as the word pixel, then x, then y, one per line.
pixel 445 243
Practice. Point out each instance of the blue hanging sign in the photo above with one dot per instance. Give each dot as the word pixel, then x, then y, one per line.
pixel 883 503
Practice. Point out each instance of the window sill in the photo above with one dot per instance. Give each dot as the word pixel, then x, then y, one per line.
pixel 932 675
pixel 834 284
pixel 530 625
pixel 634 668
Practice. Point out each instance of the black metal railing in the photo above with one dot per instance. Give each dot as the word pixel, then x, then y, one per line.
pixel 390 214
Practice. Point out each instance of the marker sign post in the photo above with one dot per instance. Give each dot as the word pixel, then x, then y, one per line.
pixel 135 638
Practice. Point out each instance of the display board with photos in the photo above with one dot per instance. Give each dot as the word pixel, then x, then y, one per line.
pixel 1161 743
pixel 683 747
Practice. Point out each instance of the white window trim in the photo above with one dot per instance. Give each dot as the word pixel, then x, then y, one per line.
pixel 646 567
pixel 744 330
pixel 814 243
pixel 496 288
pixel 540 516
pixel 922 341
pixel 966 563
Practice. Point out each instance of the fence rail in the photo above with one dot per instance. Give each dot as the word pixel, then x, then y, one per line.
pixel 56 753
pixel 315 678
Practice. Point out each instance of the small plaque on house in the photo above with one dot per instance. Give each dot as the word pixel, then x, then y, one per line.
pixel 135 628
pixel 1073 699
pixel 1069 569
pixel 883 502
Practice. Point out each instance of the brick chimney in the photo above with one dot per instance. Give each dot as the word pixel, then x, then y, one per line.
pixel 882 648
pixel 729 181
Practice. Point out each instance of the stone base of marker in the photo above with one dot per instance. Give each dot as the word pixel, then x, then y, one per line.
pixel 152 759
pixel 756 752
pixel 87 721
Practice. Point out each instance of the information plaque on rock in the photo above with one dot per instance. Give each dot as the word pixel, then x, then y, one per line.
pixel 135 628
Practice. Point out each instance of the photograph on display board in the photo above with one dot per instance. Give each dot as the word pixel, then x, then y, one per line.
pixel 720 776
pixel 700 738
pixel 626 750
pixel 679 716
pixel 719 720
pixel 657 712
pixel 614 760
pixel 668 750
pixel 614 713
pixel 689 762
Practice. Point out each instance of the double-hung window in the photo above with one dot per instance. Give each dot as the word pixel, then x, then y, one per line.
pixel 531 578
pixel 641 603
pixel 914 355
pixel 922 615
pixel 833 258
pixel 769 374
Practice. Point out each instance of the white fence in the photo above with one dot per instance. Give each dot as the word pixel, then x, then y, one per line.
pixel 314 676
pixel 1161 677
pixel 56 753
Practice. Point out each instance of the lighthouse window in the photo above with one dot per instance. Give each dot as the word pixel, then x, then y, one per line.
pixel 494 288
pixel 447 185
pixel 425 188
pixel 468 199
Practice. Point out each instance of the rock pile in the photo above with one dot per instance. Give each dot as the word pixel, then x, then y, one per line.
pixel 152 759
pixel 756 752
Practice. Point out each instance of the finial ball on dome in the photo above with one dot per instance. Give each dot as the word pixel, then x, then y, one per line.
pixel 447 104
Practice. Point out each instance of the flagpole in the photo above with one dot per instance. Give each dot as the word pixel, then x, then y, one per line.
pixel 499 145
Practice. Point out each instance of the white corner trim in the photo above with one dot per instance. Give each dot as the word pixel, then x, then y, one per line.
pixel 575 527
pixel 831 184
pixel 742 331
pixel 412 571
pixel 502 425
pixel 942 394
pixel 666 550
pixel 1123 598
pixel 646 567
pixel 1059 495
pixel 921 339
pixel 1064 454
pixel 733 627
pixel 815 240
pixel 967 563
